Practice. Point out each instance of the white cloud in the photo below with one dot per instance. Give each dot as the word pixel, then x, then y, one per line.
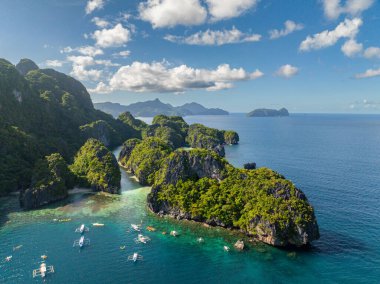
pixel 210 37
pixel 81 64
pixel 93 5
pixel 160 77
pixel 351 48
pixel 372 52
pixel 101 23
pixel 226 9
pixel 290 27
pixel 287 71
pixel 124 53
pixel 113 37
pixel 169 13
pixel 84 50
pixel 54 63
pixel 365 104
pixel 333 8
pixel 346 29
pixel 368 74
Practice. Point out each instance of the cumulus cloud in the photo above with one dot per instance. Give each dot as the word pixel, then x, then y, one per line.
pixel 83 67
pixel 93 5
pixel 54 63
pixel 210 37
pixel 84 50
pixel 101 23
pixel 287 71
pixel 372 52
pixel 113 37
pixel 226 9
pixel 161 77
pixel 351 48
pixel 289 28
pixel 346 29
pixel 169 13
pixel 368 74
pixel 333 8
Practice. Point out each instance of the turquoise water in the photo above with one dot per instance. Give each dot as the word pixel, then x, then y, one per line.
pixel 334 159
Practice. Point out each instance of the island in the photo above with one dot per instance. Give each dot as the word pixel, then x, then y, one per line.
pixel 263 112
pixel 156 107
pixel 53 139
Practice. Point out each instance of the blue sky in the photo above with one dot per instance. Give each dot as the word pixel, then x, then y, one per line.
pixel 309 56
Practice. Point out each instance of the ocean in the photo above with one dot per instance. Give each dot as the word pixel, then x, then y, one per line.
pixel 334 159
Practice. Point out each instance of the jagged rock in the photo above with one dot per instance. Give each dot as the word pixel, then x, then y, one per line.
pixel 239 245
pixel 127 149
pixel 250 166
pixel 101 131
pixel 231 137
pixel 25 65
pixel 50 183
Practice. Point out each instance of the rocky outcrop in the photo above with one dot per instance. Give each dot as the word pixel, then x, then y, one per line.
pixel 126 150
pixel 25 65
pixel 96 167
pixel 101 131
pixel 231 137
pixel 239 245
pixel 50 182
pixel 250 166
pixel 263 112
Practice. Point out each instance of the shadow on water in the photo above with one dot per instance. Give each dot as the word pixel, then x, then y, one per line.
pixel 337 243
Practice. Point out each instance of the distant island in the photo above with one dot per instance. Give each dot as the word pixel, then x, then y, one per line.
pixel 264 112
pixel 156 107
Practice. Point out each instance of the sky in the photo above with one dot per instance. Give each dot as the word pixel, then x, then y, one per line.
pixel 317 56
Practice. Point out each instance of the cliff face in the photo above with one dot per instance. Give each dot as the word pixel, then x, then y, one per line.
pixel 201 186
pixel 50 182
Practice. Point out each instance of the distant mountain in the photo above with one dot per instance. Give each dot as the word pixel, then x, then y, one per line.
pixel 263 112
pixel 155 107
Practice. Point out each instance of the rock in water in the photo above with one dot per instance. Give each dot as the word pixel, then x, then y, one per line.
pixel 239 245
pixel 95 166
pixel 250 166
pixel 50 182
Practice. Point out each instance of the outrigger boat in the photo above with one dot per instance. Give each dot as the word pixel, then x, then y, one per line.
pixel 82 229
pixel 8 258
pixel 81 242
pixel 134 257
pixel 97 224
pixel 226 248
pixel 142 239
pixel 43 270
pixel 135 227
pixel 17 248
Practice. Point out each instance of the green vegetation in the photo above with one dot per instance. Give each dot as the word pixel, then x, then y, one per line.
pixel 146 158
pixel 128 119
pixel 43 111
pixel 127 149
pixel 240 198
pixel 230 137
pixel 95 166
pixel 50 182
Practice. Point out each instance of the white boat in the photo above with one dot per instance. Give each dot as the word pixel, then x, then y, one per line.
pixel 97 224
pixel 43 270
pixel 226 248
pixel 142 239
pixel 135 227
pixel 82 229
pixel 174 233
pixel 81 242
pixel 8 258
pixel 200 240
pixel 134 257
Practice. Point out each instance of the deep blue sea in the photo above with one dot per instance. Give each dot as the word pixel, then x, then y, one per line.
pixel 334 159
